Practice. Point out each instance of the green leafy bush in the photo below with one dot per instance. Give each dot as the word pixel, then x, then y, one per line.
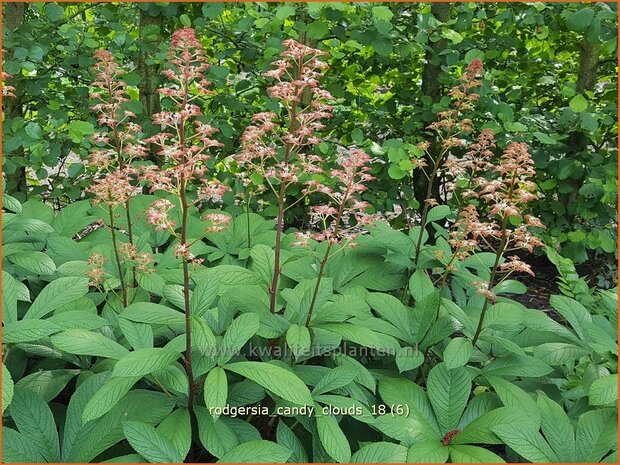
pixel 165 319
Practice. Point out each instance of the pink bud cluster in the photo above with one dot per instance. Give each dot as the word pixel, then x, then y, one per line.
pixel 121 144
pixel 142 260
pixel 501 192
pixel 184 141
pixel 346 214
pixel 115 188
pixel 96 273
pixel 297 73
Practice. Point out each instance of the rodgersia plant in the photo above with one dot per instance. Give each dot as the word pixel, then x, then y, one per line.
pixel 185 143
pixel 277 147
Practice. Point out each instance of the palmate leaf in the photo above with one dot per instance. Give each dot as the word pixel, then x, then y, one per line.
pixel 278 380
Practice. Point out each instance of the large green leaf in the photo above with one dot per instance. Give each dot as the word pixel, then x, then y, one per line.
pixel 604 390
pixel 59 292
pixel 363 336
pixel 298 339
pixel 149 443
pixel 83 342
pixel 176 428
pixel 18 448
pixel 34 419
pixel 7 388
pixel 288 439
pixel 34 262
pixel 144 361
pixel 448 391
pixel 216 436
pixel 107 397
pixel 526 442
pixel 238 333
pixel 430 451
pixel 597 432
pixel 28 331
pixel 278 380
pixel 457 352
pixel 332 438
pixel 155 314
pixel 380 452
pixel 257 452
pixel 473 454
pixel 216 389
pixel 557 428
pixel 336 378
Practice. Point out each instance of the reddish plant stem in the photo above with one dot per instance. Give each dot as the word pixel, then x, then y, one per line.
pixel 117 256
pixel 273 290
pixel 498 257
pixel 326 256
pixel 186 279
pixel 121 165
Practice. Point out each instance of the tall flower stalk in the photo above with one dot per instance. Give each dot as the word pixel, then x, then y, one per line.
pixel 448 128
pixel 339 221
pixel 184 143
pixel 120 144
pixel 277 147
pixel 507 195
